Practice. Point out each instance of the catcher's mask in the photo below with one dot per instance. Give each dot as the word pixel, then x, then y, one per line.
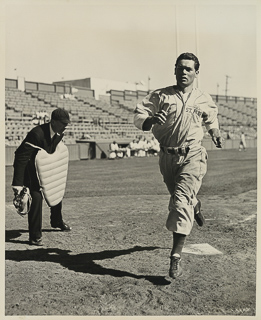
pixel 22 201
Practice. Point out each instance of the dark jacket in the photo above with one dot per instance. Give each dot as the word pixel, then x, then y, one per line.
pixel 24 162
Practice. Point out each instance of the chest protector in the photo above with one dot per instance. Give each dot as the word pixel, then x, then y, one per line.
pixel 52 172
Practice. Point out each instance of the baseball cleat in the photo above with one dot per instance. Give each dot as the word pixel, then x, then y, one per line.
pixel 175 269
pixel 198 216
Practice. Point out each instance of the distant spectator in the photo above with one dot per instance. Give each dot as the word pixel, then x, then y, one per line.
pixel 35 120
pixel 115 151
pixel 135 147
pixel 155 146
pixel 242 143
pixel 131 149
pixel 85 136
pixel 46 118
pixel 40 117
pixel 128 150
pixel 149 146
pixel 9 141
pixel 68 96
pixel 142 144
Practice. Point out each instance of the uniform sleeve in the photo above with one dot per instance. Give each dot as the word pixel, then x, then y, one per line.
pixel 22 156
pixel 210 114
pixel 148 107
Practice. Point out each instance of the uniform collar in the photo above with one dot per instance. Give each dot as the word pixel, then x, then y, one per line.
pixel 178 90
pixel 52 133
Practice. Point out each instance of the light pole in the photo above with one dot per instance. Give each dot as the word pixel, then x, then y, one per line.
pixel 196 43
pixel 226 89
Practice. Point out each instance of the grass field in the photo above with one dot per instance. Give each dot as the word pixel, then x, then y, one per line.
pixel 115 260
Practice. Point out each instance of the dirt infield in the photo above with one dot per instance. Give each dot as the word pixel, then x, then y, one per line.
pixel 115 260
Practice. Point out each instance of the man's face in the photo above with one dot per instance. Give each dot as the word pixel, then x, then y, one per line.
pixel 185 73
pixel 58 126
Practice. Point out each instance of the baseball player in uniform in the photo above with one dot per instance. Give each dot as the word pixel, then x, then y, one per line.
pixel 242 143
pixel 175 115
pixel 46 136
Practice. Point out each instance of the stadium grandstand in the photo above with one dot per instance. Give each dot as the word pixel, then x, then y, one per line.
pixel 102 114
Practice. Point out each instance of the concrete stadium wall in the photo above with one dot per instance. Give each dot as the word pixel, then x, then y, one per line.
pixel 233 99
pixel 229 144
pixel 76 152
pixel 56 87
pixel 99 150
pixel 87 86
pixel 11 83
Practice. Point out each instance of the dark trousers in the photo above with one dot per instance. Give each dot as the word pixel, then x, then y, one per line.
pixel 35 215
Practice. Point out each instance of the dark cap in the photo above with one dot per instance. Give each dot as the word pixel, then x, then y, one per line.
pixel 61 115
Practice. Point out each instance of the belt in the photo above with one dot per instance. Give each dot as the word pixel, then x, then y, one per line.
pixel 177 151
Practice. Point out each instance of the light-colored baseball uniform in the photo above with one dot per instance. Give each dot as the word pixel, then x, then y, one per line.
pixel 183 171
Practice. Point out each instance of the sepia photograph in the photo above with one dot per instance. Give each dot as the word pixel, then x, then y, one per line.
pixel 130 159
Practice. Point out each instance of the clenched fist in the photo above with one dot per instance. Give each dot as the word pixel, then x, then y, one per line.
pixel 160 117
pixel 218 141
pixel 216 137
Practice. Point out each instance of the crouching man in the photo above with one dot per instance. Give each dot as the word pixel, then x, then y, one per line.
pixel 41 165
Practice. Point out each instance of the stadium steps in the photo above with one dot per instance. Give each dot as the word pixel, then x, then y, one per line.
pixel 101 119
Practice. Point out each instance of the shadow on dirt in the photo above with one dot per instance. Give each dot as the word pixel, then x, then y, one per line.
pixel 12 235
pixel 83 262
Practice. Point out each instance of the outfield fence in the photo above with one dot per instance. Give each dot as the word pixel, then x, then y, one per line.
pixel 99 149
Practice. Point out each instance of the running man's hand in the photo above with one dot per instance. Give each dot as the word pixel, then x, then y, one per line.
pixel 160 117
pixel 218 141
pixel 216 137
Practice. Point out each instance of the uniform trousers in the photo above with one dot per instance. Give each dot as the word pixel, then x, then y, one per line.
pixel 35 215
pixel 183 176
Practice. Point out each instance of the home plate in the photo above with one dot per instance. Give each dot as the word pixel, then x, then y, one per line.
pixel 201 249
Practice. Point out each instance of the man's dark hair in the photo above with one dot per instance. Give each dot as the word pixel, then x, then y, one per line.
pixel 188 56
